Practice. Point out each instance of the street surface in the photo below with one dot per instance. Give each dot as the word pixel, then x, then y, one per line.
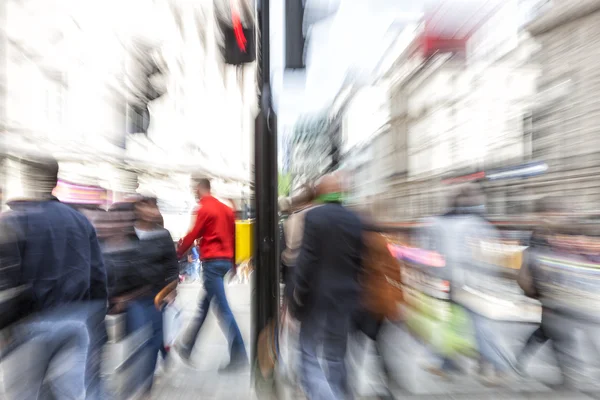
pixel 406 356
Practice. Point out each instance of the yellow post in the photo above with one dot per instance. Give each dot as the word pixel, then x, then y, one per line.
pixel 244 240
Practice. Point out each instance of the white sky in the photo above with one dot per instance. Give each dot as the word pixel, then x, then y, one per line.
pixel 354 39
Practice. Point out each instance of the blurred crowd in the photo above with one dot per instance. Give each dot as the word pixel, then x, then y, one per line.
pixel 83 290
pixel 477 300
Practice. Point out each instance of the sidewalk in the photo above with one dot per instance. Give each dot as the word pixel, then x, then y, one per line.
pixel 210 353
pixel 408 357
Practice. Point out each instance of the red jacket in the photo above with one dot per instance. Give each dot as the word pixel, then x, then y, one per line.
pixel 215 227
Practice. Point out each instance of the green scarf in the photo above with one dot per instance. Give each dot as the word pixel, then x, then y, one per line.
pixel 330 198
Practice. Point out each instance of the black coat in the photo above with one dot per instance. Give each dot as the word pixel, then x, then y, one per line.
pixel 138 263
pixel 160 258
pixel 54 249
pixel 329 265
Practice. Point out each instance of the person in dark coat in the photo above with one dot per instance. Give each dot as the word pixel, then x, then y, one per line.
pixel 160 267
pixel 326 291
pixel 53 250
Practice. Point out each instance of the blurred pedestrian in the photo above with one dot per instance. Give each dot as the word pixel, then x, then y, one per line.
pixel 293 230
pixel 294 209
pixel 160 262
pixel 193 267
pixel 455 235
pixel 52 249
pixel 562 276
pixel 547 211
pixel 215 228
pixel 382 295
pixel 326 292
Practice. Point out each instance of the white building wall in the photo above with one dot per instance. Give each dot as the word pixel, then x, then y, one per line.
pixel 67 80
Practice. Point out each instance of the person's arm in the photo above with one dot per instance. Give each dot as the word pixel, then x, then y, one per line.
pixel 98 279
pixel 10 253
pixel 170 260
pixel 525 279
pixel 307 260
pixel 194 234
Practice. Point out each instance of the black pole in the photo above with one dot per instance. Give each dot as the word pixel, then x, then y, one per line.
pixel 3 68
pixel 265 299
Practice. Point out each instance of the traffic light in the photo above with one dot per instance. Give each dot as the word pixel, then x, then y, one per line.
pixel 294 34
pixel 239 35
pixel 236 53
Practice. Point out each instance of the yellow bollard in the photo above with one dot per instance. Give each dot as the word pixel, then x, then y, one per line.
pixel 244 240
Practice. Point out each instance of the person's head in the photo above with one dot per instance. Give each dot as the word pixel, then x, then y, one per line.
pixel 202 187
pixel 303 196
pixel 120 220
pixel 467 199
pixel 328 184
pixel 39 176
pixel 147 211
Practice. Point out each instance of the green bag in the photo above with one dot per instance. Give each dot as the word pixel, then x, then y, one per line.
pixel 449 336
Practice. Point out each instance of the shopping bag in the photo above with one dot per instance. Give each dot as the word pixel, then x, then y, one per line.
pixel 171 325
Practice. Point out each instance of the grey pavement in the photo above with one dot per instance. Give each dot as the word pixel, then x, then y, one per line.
pixel 406 358
pixel 210 352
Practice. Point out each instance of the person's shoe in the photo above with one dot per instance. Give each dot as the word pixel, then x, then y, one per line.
pixel 493 379
pixel 184 355
pixel 387 395
pixel 234 367
pixel 438 372
pixel 165 366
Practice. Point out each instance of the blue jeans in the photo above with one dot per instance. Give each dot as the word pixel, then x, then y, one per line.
pixel 489 343
pixel 140 313
pixel 213 273
pixel 325 379
pixel 57 355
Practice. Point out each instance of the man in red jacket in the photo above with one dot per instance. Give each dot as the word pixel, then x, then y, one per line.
pixel 215 228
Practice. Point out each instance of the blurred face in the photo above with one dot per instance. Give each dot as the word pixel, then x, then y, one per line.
pixel 147 211
pixel 201 192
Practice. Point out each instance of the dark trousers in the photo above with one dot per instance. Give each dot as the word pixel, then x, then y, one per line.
pixel 213 273
pixel 140 313
pixel 562 332
pixel 537 339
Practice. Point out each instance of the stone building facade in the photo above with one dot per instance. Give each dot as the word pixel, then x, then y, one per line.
pixel 455 114
pixel 565 125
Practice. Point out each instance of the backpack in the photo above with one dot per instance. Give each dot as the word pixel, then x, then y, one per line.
pixel 382 280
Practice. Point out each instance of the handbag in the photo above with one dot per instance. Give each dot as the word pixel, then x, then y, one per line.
pixel 171 325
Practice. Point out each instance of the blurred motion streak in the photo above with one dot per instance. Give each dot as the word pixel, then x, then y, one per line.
pixel 435 165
